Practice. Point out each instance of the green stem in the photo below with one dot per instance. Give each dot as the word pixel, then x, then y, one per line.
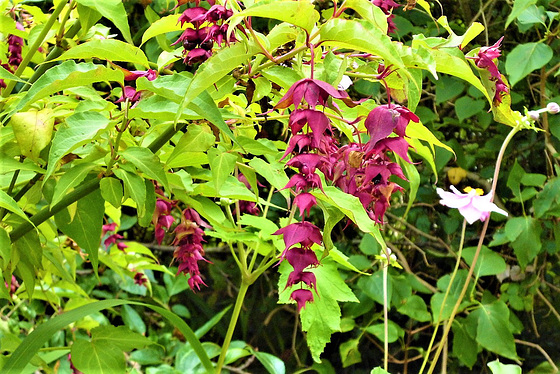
pixel 386 313
pixel 232 323
pixel 115 149
pixel 11 187
pixel 60 34
pixel 478 249
pixel 33 48
pixel 457 263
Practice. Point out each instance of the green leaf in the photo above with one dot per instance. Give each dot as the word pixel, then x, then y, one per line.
pixel 498 368
pixel 525 236
pixel 379 370
pixel 79 129
pixel 413 177
pixel 6 75
pixel 112 191
pixel 175 87
pixel 488 263
pixel 322 317
pixel 466 107
pixel 349 352
pixel 33 131
pixel 40 335
pixel 356 35
pixel 448 63
pixel 518 7
pixel 273 172
pixel 299 13
pixel 370 12
pixel 332 217
pixel 121 337
pixel 29 252
pixel 135 188
pixel 106 49
pixel 69 180
pixel 161 26
pixel 132 319
pixel 222 165
pixel 492 332
pixel 395 332
pixel 465 347
pixel 271 363
pixel 8 203
pixel 114 11
pixel 147 162
pixel 525 58
pixel 89 357
pixel 418 131
pixel 214 69
pixel 85 226
pixel 198 138
pixel 67 75
pixel 415 307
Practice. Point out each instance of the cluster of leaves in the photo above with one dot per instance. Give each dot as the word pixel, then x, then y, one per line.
pixel 97 129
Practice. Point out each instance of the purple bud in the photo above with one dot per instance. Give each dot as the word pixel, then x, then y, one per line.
pixel 553 108
pixel 301 297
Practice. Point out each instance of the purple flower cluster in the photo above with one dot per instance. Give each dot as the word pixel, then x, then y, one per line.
pixel 188 239
pixel 485 60
pixel 387 7
pixel 362 170
pixel 15 46
pixel 130 92
pixel 198 41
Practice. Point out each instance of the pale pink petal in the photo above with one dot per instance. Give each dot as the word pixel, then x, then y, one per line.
pixel 453 200
pixel 471 214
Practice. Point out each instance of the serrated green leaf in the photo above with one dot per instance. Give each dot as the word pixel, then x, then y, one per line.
pixel 493 332
pixel 67 75
pixel 69 180
pixel 106 49
pixel 147 162
pixel 163 25
pixel 85 226
pixel 112 191
pixel 525 58
pixel 80 129
pixel 114 11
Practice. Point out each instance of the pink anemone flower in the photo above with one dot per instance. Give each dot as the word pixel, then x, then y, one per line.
pixel 472 205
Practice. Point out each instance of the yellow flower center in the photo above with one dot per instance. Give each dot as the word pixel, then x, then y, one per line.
pixel 479 191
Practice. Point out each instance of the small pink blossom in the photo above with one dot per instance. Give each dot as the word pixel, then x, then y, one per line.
pixel 472 205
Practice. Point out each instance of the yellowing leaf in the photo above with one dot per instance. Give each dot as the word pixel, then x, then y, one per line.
pixel 33 131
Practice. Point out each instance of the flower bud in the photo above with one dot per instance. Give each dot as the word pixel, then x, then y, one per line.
pixel 553 108
pixel 533 114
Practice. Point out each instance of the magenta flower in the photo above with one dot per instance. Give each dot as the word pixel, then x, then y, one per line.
pixel 301 297
pixel 472 205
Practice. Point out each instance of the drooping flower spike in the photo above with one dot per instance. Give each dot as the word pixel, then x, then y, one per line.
pixel 473 205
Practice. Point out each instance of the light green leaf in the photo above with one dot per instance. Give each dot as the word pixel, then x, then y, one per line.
pixel 498 368
pixel 395 332
pixel 518 7
pixel 121 337
pixel 299 13
pixel 106 49
pixel 356 35
pixel 493 332
pixel 525 236
pixel 488 263
pixel 163 25
pixel 8 203
pixel 370 12
pixel 85 226
pixel 415 307
pixel 273 172
pixel 112 191
pixel 33 131
pixel 80 129
pixel 69 180
pixel 350 353
pixel 114 11
pixel 283 76
pixel 147 162
pixel 525 58
pixel 28 254
pixel 222 165
pixel 214 69
pixel 89 357
pixel 67 75
pixel 271 363
pixel 6 75
pixel 198 138
pixel 135 188
pixel 413 177
pixel 332 217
